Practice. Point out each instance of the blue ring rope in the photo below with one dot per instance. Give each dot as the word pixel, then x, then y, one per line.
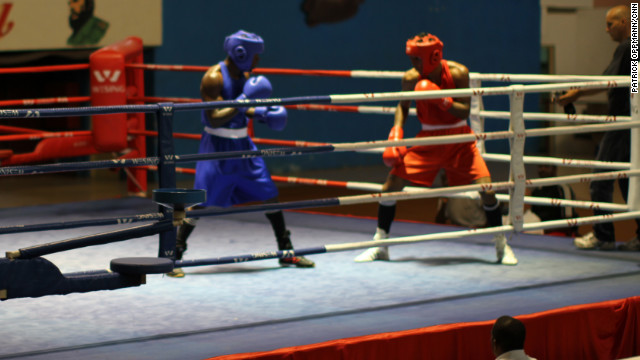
pixel 77 111
pixel 95 239
pixel 158 216
pixel 123 163
pixel 256 153
pixel 265 207
pixel 251 257
pixel 80 223
pixel 152 108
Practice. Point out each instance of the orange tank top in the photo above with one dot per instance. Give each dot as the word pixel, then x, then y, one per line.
pixel 431 114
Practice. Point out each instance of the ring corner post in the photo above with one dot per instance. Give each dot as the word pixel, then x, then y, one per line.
pixel 108 87
pixel 166 172
pixel 476 122
pixel 633 199
pixel 113 83
pixel 517 172
pixel 137 179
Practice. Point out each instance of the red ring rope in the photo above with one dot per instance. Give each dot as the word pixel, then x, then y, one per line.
pixel 276 178
pixel 44 135
pixel 156 99
pixel 260 71
pixel 45 101
pixel 293 143
pixel 39 69
pixel 21 130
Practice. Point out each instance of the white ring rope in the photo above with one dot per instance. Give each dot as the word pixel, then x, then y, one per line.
pixel 421 193
pixel 501 90
pixel 450 139
pixel 532 200
pixel 453 235
pixel 556 117
pixel 542 78
pixel 574 118
pixel 582 178
pixel 374 74
pixel 541 160
pixel 526 78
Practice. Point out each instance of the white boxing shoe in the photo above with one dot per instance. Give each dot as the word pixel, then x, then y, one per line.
pixel 372 254
pixel 504 253
pixel 375 253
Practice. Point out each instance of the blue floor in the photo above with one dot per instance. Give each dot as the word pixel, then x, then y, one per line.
pixel 258 306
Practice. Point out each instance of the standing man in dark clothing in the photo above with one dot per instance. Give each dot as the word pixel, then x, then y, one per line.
pixel 615 145
pixel 549 213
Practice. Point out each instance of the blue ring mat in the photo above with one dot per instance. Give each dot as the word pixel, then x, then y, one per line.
pixel 215 309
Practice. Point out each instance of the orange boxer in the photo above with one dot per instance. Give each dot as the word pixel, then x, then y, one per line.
pixel 420 164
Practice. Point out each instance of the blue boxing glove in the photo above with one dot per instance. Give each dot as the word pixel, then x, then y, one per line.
pixel 274 116
pixel 256 87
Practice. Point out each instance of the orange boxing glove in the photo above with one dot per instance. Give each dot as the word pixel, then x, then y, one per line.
pixel 426 85
pixel 393 155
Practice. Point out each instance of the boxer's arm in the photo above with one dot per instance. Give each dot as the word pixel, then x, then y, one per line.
pixel 393 155
pixel 409 81
pixel 211 90
pixel 461 105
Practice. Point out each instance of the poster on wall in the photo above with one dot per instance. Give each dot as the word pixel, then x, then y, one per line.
pixel 67 24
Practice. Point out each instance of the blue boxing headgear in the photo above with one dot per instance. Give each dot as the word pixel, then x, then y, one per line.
pixel 241 46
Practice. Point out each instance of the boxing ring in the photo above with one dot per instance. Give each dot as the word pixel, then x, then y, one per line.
pixel 434 278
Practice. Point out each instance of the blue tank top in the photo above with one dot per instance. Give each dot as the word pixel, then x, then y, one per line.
pixel 231 89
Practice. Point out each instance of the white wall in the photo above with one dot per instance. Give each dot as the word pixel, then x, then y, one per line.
pixel 595 47
pixel 567 3
pixel 581 43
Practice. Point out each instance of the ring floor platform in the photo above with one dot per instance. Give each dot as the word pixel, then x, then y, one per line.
pixel 259 306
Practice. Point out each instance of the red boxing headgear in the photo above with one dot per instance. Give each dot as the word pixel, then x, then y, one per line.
pixel 428 48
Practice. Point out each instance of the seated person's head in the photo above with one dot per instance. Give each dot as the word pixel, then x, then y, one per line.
pixel 507 334
pixel 545 171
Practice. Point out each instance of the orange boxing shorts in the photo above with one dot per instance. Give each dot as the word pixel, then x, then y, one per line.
pixel 462 162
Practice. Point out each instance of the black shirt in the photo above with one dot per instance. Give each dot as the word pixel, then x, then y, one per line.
pixel 547 213
pixel 620 65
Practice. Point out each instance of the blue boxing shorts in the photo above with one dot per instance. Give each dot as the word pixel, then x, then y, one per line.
pixel 232 181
